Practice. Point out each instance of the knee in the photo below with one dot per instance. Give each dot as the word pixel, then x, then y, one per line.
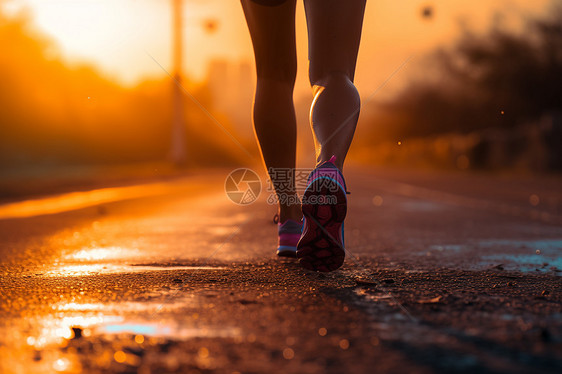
pixel 275 71
pixel 321 77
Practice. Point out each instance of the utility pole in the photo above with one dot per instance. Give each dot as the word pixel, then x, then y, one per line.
pixel 178 144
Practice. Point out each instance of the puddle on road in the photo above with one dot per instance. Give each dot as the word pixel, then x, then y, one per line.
pixel 93 317
pixel 158 330
pixel 551 246
pixel 99 269
pixel 43 341
pixel 524 263
pixel 107 253
pixel 519 255
pixel 110 260
pixel 49 343
pixel 129 306
pixel 542 245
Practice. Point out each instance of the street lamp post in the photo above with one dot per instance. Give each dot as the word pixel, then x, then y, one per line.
pixel 178 146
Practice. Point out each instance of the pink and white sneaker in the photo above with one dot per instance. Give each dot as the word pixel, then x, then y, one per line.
pixel 324 206
pixel 289 234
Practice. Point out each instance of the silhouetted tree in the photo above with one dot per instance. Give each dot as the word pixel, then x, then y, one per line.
pixel 500 79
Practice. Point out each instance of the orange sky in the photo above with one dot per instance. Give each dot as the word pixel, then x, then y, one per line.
pixel 117 34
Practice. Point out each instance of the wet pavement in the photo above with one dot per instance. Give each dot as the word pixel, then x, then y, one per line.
pixel 445 272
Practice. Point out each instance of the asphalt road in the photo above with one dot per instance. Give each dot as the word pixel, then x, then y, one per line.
pixel 445 272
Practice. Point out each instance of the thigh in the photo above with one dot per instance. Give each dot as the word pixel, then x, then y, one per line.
pixel 334 33
pixel 272 29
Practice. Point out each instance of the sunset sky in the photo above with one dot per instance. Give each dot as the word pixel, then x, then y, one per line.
pixel 116 35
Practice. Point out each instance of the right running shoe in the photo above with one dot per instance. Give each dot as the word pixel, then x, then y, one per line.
pixel 324 206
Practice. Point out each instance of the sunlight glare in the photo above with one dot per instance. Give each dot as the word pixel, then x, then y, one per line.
pixel 94 254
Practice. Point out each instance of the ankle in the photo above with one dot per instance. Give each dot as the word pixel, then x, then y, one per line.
pixel 323 158
pixel 290 212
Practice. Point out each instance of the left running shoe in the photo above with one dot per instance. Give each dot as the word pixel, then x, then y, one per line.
pixel 289 235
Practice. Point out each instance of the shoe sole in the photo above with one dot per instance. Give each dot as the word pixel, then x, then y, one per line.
pixel 287 251
pixel 320 248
